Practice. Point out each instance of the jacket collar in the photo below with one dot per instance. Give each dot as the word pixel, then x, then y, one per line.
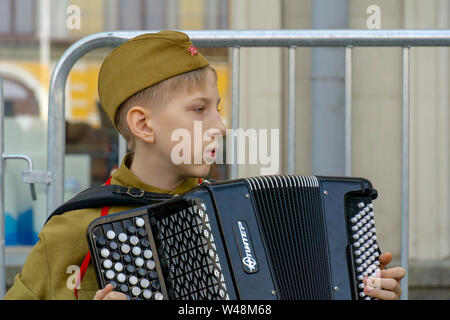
pixel 124 177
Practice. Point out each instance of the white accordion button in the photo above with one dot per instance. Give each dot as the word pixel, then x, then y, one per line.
pixel 136 251
pixel 148 254
pixel 139 262
pixel 144 283
pixel 150 264
pixel 122 237
pixel 107 264
pixel 147 294
pixel 133 280
pixel 159 296
pixel 125 248
pixel 140 222
pixel 121 277
pixel 104 252
pixel 136 291
pixel 109 274
pixel 134 240
pixel 110 234
pixel 118 267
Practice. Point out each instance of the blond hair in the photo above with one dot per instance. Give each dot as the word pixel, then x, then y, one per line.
pixel 160 93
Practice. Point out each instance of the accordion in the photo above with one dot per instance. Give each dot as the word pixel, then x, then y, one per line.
pixel 284 237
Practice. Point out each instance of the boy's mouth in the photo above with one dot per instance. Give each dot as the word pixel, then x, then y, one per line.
pixel 211 153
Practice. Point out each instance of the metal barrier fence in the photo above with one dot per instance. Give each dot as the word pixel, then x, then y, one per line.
pixel 236 39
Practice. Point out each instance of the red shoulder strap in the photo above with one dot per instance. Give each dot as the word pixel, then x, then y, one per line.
pixel 87 258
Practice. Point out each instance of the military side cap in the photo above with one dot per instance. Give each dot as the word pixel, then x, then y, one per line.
pixel 142 62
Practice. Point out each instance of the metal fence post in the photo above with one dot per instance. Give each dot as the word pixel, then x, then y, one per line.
pixel 348 111
pixel 2 196
pixel 405 167
pixel 291 111
pixel 234 172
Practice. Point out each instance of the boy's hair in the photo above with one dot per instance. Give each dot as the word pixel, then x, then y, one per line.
pixel 160 93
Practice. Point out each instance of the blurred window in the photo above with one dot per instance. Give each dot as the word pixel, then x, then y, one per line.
pixel 19 100
pixel 142 14
pixel 18 18
pixel 154 14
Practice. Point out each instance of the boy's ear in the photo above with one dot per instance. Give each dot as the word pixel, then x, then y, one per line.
pixel 140 123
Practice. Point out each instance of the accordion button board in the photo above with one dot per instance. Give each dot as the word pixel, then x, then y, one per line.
pixel 123 252
pixel 363 239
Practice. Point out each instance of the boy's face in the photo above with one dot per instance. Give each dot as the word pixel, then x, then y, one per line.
pixel 183 126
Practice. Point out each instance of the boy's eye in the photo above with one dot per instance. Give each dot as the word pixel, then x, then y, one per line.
pixel 199 109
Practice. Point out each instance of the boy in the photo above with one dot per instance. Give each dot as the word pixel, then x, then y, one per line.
pixel 149 86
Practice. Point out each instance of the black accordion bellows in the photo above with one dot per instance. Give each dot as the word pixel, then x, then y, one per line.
pixel 269 237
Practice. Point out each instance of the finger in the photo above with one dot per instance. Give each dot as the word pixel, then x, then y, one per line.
pixel 385 258
pixel 100 294
pixel 385 284
pixel 114 295
pixel 395 273
pixel 381 294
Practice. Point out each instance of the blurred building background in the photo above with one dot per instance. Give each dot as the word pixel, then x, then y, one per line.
pixel 35 33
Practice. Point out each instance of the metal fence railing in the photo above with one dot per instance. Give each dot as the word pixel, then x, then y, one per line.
pixel 236 39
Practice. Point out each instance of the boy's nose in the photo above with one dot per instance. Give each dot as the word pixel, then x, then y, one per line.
pixel 221 127
pixel 216 130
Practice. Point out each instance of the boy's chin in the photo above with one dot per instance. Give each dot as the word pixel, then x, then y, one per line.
pixel 197 170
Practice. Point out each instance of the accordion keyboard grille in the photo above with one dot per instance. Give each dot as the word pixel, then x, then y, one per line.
pixel 188 252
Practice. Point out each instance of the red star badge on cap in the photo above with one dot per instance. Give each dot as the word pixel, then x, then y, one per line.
pixel 193 50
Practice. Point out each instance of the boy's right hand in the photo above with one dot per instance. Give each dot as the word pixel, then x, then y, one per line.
pixel 107 294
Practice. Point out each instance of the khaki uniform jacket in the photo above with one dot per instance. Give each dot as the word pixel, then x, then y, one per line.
pixel 51 268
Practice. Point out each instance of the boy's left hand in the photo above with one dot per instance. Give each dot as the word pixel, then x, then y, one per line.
pixel 387 285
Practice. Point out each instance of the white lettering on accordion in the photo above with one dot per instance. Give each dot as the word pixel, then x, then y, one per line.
pixel 248 260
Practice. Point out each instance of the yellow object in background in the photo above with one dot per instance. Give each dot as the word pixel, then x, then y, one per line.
pixel 83 94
